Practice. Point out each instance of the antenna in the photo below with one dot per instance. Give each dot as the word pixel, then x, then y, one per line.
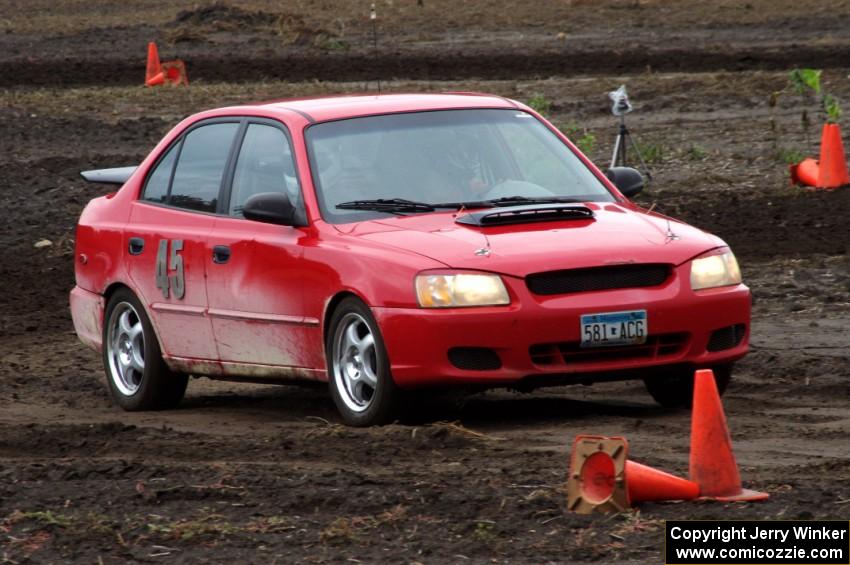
pixel 373 17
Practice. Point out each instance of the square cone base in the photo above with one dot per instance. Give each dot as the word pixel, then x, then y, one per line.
pixel 746 495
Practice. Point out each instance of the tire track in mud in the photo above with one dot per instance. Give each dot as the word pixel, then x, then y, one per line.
pixel 440 65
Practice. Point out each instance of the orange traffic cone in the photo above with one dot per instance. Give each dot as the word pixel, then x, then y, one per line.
pixel 602 478
pixel 805 172
pixel 175 72
pixel 712 463
pixel 153 71
pixel 833 160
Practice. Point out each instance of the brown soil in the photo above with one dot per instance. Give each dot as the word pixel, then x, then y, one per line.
pixel 267 474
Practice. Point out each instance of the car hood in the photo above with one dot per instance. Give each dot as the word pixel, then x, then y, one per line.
pixel 616 235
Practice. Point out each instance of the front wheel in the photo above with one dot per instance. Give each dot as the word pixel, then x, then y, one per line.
pixel 358 367
pixel 137 376
pixel 676 389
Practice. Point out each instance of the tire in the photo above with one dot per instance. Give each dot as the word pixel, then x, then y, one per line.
pixel 137 376
pixel 359 376
pixel 676 389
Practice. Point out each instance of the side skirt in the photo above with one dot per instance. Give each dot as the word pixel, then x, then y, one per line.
pixel 245 372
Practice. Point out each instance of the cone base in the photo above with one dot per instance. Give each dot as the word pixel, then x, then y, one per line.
pixel 746 495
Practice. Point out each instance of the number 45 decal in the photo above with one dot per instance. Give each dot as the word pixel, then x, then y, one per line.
pixel 175 282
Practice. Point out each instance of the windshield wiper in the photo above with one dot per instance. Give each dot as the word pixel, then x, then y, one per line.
pixel 402 205
pixel 389 205
pixel 519 200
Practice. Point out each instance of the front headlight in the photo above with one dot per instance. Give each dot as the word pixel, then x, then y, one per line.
pixel 462 289
pixel 715 270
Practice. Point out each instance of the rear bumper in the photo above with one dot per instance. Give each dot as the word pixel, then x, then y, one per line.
pixel 536 338
pixel 87 312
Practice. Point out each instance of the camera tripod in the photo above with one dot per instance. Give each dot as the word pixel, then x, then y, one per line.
pixel 625 138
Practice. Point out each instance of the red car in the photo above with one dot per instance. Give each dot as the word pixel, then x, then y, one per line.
pixel 389 243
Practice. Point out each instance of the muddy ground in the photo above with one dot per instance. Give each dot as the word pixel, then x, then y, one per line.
pixel 267 474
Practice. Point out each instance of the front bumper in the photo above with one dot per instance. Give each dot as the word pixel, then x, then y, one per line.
pixel 536 337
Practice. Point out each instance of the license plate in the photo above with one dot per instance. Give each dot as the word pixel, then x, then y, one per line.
pixel 614 328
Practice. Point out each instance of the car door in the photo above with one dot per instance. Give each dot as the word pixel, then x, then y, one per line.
pixel 167 237
pixel 254 278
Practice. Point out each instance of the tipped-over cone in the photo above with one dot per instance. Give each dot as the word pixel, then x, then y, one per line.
pixel 712 463
pixel 805 172
pixel 647 484
pixel 175 72
pixel 603 479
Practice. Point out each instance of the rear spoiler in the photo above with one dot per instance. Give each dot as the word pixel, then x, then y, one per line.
pixel 117 175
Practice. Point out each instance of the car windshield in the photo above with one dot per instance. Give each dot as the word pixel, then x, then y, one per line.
pixel 409 161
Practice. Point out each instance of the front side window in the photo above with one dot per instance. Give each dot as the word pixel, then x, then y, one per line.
pixel 443 156
pixel 265 164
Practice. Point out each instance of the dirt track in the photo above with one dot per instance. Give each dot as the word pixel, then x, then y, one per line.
pixel 265 474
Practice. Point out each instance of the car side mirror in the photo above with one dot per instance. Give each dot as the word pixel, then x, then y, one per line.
pixel 629 181
pixel 270 208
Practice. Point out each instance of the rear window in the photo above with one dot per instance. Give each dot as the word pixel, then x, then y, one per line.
pixel 200 167
pixel 156 189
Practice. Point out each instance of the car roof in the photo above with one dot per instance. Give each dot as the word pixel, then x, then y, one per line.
pixel 327 108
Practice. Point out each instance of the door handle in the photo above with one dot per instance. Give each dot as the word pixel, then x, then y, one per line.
pixel 136 245
pixel 221 254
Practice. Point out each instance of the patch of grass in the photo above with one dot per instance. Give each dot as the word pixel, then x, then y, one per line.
pixel 347 530
pixel 270 525
pixel 696 153
pixel 330 43
pixel 585 140
pixel 788 155
pixel 42 517
pixel 653 153
pixel 485 531
pixel 540 104
pixel 205 526
pixel 340 530
pixel 586 143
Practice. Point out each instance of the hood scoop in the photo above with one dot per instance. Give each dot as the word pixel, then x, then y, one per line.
pixel 526 215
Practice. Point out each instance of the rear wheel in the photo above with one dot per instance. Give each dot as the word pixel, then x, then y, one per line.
pixel 358 368
pixel 676 389
pixel 137 376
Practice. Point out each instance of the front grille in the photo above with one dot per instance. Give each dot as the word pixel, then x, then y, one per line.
pixel 572 353
pixel 475 358
pixel 726 338
pixel 597 278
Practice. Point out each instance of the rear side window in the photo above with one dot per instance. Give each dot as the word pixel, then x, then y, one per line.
pixel 264 164
pixel 156 190
pixel 203 158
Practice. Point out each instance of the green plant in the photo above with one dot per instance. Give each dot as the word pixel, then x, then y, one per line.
pixel 42 517
pixel 571 130
pixel 484 531
pixel 696 153
pixel 832 108
pixel 583 139
pixel 805 80
pixel 652 152
pixel 540 104
pixel 789 156
pixel 586 143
